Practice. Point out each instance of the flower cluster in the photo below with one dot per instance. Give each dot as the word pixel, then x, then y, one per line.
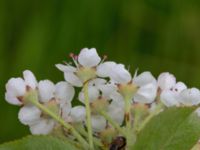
pixel 109 97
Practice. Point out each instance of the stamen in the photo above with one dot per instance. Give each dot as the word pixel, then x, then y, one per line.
pixel 104 58
pixel 128 68
pixel 75 59
pixel 71 55
pixel 67 63
pixel 136 72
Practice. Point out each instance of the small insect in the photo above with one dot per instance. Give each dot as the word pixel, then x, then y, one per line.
pixel 118 143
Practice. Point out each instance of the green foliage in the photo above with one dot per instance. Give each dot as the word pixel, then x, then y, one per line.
pixel 173 129
pixel 38 143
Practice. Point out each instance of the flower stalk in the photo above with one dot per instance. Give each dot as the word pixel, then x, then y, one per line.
pixel 112 122
pixel 88 116
pixel 128 120
pixel 82 131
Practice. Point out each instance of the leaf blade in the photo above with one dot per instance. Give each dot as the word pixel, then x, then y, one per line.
pixel 38 142
pixel 173 129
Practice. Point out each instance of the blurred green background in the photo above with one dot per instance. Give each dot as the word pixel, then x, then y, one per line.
pixel 155 35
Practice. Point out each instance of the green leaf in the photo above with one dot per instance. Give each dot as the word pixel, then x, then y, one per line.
pixel 38 143
pixel 172 129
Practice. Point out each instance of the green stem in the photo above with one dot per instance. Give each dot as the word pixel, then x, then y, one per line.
pixel 88 116
pixel 136 122
pixel 113 123
pixel 84 133
pixel 128 121
pixel 33 98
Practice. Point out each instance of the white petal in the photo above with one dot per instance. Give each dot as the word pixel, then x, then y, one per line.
pixel 166 81
pixel 30 79
pixel 78 113
pixel 89 57
pixel 16 86
pixel 93 93
pixel 120 74
pixel 105 69
pixel 115 96
pixel 146 94
pixel 169 98
pixel 107 90
pixel 66 68
pixel 12 99
pixel 64 91
pixel 43 127
pixel 98 123
pixel 73 79
pixel 28 115
pixel 116 112
pixel 65 110
pixel 180 86
pixel 190 97
pixel 198 111
pixel 46 90
pixel 144 78
pixel 97 82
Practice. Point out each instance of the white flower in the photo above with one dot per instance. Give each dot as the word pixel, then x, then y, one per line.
pixel 86 63
pixel 42 126
pixel 101 91
pixel 62 94
pixel 98 88
pixel 145 82
pixel 56 97
pixel 190 97
pixel 62 91
pixel 16 88
pixel 147 88
pixel 98 123
pixel 166 81
pixel 106 88
pixel 32 116
pixel 170 97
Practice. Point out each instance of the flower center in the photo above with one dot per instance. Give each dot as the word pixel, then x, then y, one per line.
pixel 99 105
pixel 127 90
pixel 86 74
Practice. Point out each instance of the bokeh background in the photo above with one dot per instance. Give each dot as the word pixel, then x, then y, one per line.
pixel 154 35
